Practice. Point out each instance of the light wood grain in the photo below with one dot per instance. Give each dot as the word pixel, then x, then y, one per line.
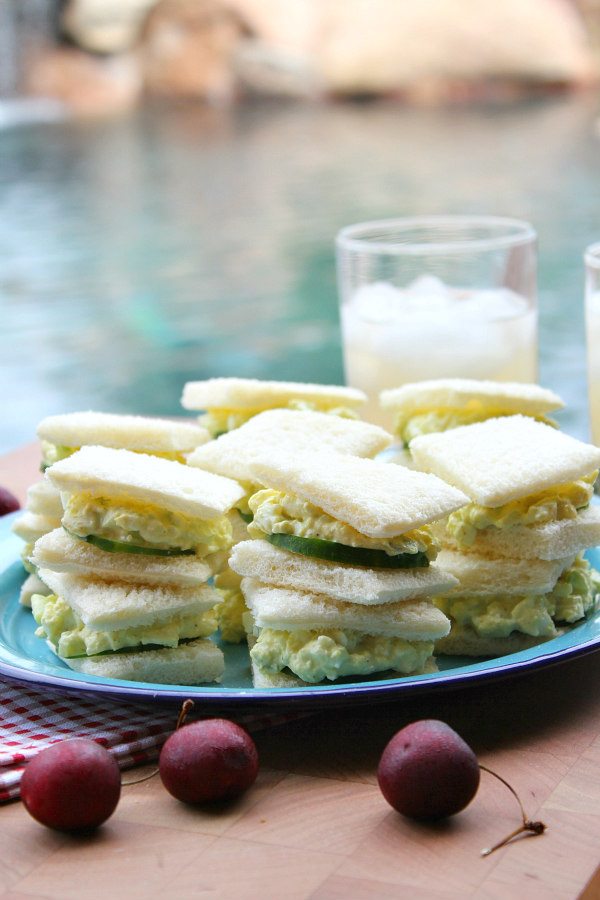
pixel 315 824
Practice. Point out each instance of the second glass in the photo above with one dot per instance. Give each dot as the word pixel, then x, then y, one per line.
pixel 592 330
pixel 437 297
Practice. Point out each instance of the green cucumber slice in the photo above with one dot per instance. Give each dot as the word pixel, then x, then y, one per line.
pixel 355 556
pixel 123 547
pixel 135 648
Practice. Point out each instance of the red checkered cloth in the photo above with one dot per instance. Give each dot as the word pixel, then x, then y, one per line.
pixel 32 719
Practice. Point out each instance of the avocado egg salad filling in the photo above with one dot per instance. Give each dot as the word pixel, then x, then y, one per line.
pixel 70 638
pixel 53 453
pixel 551 505
pixel 25 558
pixel 125 524
pixel 297 525
pixel 243 505
pixel 413 424
pixel 495 616
pixel 231 611
pixel 330 654
pixel 220 421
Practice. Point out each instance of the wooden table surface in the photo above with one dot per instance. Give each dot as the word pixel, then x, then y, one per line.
pixel 315 824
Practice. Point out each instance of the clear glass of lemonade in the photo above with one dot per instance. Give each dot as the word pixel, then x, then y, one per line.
pixel 592 330
pixel 437 297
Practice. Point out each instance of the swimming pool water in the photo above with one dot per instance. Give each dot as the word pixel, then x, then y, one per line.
pixel 185 242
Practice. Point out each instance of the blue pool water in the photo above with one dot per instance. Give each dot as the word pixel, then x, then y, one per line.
pixel 184 242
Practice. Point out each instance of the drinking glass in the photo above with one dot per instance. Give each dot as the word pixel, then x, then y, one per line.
pixel 592 331
pixel 436 297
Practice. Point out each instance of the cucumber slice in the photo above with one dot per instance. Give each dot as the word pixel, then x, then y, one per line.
pixel 355 556
pixel 122 547
pixel 135 648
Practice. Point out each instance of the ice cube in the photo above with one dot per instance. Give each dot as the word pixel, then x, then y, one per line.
pixel 377 302
pixel 428 284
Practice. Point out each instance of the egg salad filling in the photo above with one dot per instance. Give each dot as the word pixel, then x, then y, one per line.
pixel 410 425
pixel 220 421
pixel 572 597
pixel 551 505
pixel 231 611
pixel 242 505
pixel 25 554
pixel 138 524
pixel 52 453
pixel 276 512
pixel 329 654
pixel 71 638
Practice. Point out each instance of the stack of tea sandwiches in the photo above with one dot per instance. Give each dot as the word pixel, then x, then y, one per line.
pixel 232 454
pixel 128 570
pixel 228 403
pixel 61 435
pixel 339 576
pixel 440 404
pixel 42 514
pixel 516 546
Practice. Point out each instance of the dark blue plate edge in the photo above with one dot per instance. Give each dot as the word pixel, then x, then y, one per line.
pixel 373 691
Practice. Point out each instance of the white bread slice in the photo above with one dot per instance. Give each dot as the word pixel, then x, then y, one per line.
pixel 139 433
pixel 167 484
pixel 456 393
pixel 377 499
pixel 110 607
pixel 29 526
pixel 32 585
pixel 289 610
pixel 251 393
pixel 43 499
pixel 465 641
pixel 297 430
pixel 500 460
pixel 481 576
pixel 285 679
pixel 271 565
pixel 196 662
pixel 554 540
pixel 60 552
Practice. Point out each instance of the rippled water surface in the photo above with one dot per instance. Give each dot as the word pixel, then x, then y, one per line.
pixel 183 243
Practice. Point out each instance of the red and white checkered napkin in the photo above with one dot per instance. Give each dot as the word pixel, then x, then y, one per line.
pixel 32 719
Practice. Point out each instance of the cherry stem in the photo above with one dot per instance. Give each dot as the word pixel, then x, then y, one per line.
pixel 139 780
pixel 186 706
pixel 527 825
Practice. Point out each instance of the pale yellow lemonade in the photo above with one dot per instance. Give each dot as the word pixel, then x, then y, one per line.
pixel 428 330
pixel 593 354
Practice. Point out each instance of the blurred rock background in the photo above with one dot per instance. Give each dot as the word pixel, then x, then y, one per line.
pixel 168 210
pixel 96 57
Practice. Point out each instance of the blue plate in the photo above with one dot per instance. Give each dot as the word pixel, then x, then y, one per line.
pixel 26 658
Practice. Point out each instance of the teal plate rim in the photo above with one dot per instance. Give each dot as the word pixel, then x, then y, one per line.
pixel 26 658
